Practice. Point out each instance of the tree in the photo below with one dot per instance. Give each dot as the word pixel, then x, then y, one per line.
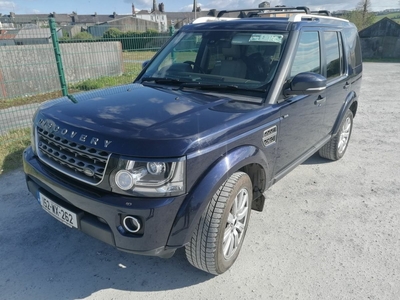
pixel 83 36
pixel 361 16
pixel 112 33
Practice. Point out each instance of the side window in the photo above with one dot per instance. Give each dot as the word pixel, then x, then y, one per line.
pixel 333 47
pixel 307 58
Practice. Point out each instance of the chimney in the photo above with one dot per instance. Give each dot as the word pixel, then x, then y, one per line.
pixel 95 14
pixel 194 8
pixel 133 9
pixel 114 14
pixel 74 17
pixel 212 13
pixel 154 6
pixel 264 4
pixel 54 14
pixel 12 15
pixel 161 7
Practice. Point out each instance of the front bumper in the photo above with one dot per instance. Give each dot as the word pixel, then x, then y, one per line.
pixel 100 214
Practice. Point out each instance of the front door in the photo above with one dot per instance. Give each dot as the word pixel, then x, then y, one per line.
pixel 302 116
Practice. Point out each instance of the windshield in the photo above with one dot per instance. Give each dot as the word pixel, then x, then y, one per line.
pixel 238 60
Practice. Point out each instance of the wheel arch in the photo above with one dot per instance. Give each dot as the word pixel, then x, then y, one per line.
pixel 350 103
pixel 248 159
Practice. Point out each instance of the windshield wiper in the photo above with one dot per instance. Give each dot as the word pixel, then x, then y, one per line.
pixel 231 87
pixel 161 80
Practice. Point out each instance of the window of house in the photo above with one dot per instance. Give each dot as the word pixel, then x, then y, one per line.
pixel 307 57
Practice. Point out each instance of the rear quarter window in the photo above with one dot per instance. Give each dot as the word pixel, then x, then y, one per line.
pixel 353 45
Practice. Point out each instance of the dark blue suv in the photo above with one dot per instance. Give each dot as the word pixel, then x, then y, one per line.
pixel 182 155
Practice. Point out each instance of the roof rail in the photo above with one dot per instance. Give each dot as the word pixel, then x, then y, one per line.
pixel 322 12
pixel 211 19
pixel 256 12
pixel 304 17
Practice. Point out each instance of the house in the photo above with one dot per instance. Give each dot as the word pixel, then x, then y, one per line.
pixel 7 37
pixel 381 39
pixel 32 35
pixel 179 19
pixel 156 16
pixel 124 24
pixel 73 23
pixel 18 21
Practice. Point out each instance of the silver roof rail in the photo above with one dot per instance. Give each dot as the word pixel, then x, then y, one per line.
pixel 211 19
pixel 302 17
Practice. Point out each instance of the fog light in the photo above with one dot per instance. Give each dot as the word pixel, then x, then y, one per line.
pixel 131 224
pixel 124 180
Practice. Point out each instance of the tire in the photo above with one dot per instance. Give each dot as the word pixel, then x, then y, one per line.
pixel 218 237
pixel 337 146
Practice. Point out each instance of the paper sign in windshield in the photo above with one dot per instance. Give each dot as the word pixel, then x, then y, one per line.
pixel 267 38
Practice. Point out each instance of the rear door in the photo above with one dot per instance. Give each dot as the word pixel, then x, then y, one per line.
pixel 338 85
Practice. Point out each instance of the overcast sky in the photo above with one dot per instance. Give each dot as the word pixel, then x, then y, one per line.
pixel 124 6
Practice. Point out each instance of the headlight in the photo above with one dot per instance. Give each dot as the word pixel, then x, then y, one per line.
pixel 33 134
pixel 156 178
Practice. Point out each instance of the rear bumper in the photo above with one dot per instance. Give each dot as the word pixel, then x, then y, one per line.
pixel 100 214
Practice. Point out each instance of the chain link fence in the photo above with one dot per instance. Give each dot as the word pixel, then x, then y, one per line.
pixel 40 61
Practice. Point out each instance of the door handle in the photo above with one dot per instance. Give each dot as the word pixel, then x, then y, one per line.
pixel 319 101
pixel 346 86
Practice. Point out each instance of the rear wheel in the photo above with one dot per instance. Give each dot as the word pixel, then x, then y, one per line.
pixel 337 146
pixel 219 235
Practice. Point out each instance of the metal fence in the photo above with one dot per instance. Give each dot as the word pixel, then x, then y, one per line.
pixel 41 61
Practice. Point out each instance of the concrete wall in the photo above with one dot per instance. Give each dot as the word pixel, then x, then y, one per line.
pixel 124 25
pixel 133 24
pixel 31 70
pixel 91 60
pixel 381 47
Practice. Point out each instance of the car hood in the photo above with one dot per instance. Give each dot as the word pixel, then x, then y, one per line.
pixel 141 120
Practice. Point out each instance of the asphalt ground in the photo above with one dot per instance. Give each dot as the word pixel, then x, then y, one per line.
pixel 329 230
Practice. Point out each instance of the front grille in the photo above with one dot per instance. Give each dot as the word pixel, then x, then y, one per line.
pixel 76 160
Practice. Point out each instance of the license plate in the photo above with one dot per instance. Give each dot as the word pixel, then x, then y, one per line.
pixel 57 211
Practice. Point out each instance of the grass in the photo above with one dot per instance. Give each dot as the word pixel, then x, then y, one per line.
pixel 383 60
pixel 102 82
pixel 394 16
pixel 138 55
pixel 7 103
pixel 12 144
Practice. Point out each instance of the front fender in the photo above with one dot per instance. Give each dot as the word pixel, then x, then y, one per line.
pixel 198 198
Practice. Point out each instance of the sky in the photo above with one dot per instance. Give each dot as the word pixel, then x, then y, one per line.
pixel 125 6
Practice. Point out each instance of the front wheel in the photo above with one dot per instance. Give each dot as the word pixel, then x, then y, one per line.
pixel 219 235
pixel 337 146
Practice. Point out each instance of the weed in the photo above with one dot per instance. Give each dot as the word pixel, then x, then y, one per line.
pixel 12 145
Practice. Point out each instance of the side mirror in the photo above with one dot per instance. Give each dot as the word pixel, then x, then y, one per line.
pixel 306 83
pixel 145 63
